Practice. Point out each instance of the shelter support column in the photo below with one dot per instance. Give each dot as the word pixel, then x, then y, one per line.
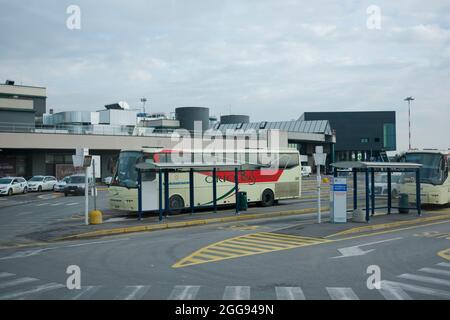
pixel 389 186
pixel 418 195
pixel 367 195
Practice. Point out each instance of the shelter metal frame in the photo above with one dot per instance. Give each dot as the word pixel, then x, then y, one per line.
pixel 163 170
pixel 369 169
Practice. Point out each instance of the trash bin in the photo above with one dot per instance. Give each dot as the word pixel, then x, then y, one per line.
pixel 242 199
pixel 403 203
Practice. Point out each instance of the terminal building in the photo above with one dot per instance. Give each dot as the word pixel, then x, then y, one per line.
pixel 360 136
pixel 21 105
pixel 33 142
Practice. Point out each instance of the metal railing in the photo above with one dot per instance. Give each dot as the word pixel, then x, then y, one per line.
pixel 104 130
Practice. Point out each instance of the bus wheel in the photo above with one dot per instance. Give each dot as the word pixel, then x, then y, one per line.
pixel 176 203
pixel 268 198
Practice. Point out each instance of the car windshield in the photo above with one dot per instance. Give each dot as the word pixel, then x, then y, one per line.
pixel 434 168
pixel 5 181
pixel 76 179
pixel 37 179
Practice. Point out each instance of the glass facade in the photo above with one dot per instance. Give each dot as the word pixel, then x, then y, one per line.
pixel 389 136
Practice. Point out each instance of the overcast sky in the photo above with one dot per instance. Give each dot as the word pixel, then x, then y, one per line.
pixel 272 60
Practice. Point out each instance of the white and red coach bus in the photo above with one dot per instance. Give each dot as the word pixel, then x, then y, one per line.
pixel 263 185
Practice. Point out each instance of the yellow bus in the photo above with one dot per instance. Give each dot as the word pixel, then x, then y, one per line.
pixel 434 176
pixel 264 185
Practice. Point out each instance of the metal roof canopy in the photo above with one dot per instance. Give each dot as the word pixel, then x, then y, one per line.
pixel 372 167
pixel 375 165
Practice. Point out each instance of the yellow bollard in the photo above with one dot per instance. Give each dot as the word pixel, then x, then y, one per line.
pixel 95 217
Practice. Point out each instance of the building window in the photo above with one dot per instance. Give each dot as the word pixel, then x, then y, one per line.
pixel 377 139
pixel 364 140
pixel 389 136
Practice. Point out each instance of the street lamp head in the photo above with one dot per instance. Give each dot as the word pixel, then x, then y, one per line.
pixel 409 99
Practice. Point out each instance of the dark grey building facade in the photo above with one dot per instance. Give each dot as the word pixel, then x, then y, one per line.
pixel 360 135
pixel 21 105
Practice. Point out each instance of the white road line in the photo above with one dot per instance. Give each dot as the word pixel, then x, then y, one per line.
pixel 23 213
pixel 39 289
pixel 436 271
pixel 132 293
pixel 444 264
pixel 85 293
pixel 16 282
pixel 342 294
pixel 419 289
pixel 425 279
pixel 184 293
pixel 289 293
pixel 236 293
pixel 56 204
pixel 6 274
pixel 72 204
pixel 29 253
pixel 42 204
pixel 391 292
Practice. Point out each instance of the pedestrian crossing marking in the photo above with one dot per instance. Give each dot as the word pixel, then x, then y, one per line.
pixel 289 293
pixel 342 294
pixel 251 244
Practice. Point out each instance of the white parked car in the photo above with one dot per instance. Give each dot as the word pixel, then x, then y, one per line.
pixel 306 171
pixel 381 184
pixel 41 183
pixel 61 185
pixel 13 185
pixel 108 180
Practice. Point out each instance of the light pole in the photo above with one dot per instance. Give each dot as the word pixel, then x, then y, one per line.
pixel 143 100
pixel 409 99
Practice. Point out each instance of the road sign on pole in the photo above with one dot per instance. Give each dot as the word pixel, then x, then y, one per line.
pixel 320 160
pixel 82 159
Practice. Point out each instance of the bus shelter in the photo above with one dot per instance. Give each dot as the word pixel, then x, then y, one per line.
pixel 163 170
pixel 368 169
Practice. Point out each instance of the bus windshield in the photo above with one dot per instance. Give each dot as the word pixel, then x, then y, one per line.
pixel 434 166
pixel 126 173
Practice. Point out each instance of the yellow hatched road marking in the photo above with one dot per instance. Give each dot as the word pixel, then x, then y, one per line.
pixel 247 245
pixel 444 254
pixel 276 239
pixel 240 246
pixel 262 246
pixel 288 236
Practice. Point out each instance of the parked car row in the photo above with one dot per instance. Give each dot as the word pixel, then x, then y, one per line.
pixel 74 184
